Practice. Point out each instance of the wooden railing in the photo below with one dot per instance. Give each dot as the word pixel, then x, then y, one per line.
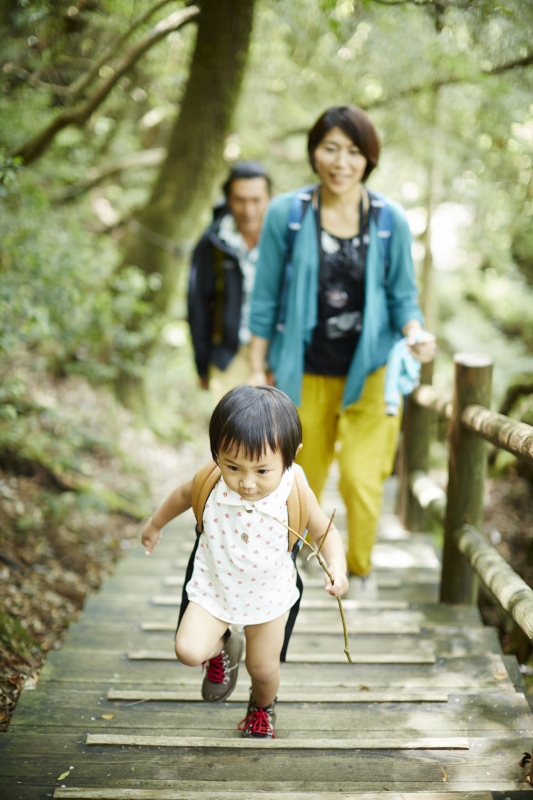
pixel 467 555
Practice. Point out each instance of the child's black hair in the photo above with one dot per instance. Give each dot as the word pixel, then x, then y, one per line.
pixel 250 418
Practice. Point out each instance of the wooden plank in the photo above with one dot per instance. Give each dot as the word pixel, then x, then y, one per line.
pixel 400 743
pixel 362 658
pixel 468 792
pixel 461 716
pixel 356 629
pixel 288 695
pixel 307 603
pixel 38 758
pixel 475 672
pixel 309 658
pixel 186 794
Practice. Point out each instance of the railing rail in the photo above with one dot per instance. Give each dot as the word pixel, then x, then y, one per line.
pixel 467 555
pixel 513 594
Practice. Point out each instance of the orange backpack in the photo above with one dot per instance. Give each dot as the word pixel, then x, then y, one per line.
pixel 297 502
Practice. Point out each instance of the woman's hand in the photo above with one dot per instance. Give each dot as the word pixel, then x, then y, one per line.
pixel 422 344
pixel 258 378
pixel 340 581
pixel 150 536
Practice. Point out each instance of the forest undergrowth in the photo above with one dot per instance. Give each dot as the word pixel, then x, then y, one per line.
pixel 508 522
pixel 72 494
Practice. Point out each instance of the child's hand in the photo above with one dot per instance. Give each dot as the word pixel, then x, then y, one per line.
pixel 340 582
pixel 150 536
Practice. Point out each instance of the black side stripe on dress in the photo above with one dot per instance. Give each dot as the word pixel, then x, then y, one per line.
pixel 188 576
pixel 293 613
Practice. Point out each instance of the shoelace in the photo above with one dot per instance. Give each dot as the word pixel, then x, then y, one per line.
pixel 217 668
pixel 257 722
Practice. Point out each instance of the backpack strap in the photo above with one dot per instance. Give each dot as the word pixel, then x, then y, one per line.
pixel 297 211
pixel 297 502
pixel 298 506
pixel 380 211
pixel 203 484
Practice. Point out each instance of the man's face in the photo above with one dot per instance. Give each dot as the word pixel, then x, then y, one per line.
pixel 248 199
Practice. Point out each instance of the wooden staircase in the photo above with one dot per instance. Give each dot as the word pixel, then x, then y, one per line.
pixel 430 708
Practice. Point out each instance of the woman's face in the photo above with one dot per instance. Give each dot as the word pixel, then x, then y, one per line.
pixel 339 162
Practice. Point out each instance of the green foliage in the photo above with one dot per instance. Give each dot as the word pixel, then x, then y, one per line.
pixel 8 171
pixel 59 294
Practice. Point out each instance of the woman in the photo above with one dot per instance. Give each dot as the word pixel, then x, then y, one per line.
pixel 343 311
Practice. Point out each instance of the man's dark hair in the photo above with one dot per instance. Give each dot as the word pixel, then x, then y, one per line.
pixel 250 418
pixel 355 124
pixel 244 170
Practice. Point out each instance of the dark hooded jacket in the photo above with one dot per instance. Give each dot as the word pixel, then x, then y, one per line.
pixel 214 299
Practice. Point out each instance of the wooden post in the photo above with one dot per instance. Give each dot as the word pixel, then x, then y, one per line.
pixel 415 448
pixel 466 477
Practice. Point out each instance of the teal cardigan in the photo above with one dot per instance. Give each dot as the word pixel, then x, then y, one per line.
pixel 387 307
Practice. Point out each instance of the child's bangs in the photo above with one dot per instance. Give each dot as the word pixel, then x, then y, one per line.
pixel 251 419
pixel 250 435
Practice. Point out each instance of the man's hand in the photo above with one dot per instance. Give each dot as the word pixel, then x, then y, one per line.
pixel 150 536
pixel 340 582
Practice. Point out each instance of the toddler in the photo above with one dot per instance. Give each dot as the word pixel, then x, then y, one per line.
pixel 242 572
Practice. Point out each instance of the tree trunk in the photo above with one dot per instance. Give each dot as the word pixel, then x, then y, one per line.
pixel 427 299
pixel 196 144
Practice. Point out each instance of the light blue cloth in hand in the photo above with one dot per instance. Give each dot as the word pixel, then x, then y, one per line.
pixel 401 377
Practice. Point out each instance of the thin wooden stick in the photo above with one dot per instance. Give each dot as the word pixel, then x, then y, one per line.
pixel 323 540
pixel 316 552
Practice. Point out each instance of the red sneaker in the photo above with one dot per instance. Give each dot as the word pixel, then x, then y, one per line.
pixel 259 722
pixel 221 671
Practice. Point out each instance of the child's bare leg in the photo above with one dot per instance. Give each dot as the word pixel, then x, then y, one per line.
pixel 263 648
pixel 199 636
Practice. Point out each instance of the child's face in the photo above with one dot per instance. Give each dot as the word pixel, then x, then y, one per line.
pixel 251 479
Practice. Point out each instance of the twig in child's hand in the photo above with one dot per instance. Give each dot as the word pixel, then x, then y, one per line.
pixel 316 552
pixel 323 540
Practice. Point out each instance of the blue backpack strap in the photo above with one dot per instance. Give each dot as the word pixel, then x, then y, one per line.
pixel 297 210
pixel 380 210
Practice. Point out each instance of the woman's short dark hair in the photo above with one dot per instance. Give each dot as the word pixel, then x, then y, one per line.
pixel 245 170
pixel 355 124
pixel 250 418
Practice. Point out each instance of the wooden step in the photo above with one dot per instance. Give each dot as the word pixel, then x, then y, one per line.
pixel 309 658
pixel 165 794
pixel 332 743
pixel 288 695
pixel 477 672
pixel 491 715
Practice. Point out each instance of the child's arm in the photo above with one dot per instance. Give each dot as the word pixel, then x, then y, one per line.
pixel 176 503
pixel 333 550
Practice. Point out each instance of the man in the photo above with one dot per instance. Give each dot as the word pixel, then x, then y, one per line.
pixel 222 278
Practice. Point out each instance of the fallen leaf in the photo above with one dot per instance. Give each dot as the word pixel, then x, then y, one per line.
pixel 64 775
pixel 524 761
pixel 108 716
pixel 444 775
pixel 500 676
pixel 363 688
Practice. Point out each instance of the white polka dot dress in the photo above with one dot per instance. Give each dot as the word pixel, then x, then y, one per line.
pixel 243 573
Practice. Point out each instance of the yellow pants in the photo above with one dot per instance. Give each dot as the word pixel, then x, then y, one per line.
pixel 237 372
pixel 367 439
